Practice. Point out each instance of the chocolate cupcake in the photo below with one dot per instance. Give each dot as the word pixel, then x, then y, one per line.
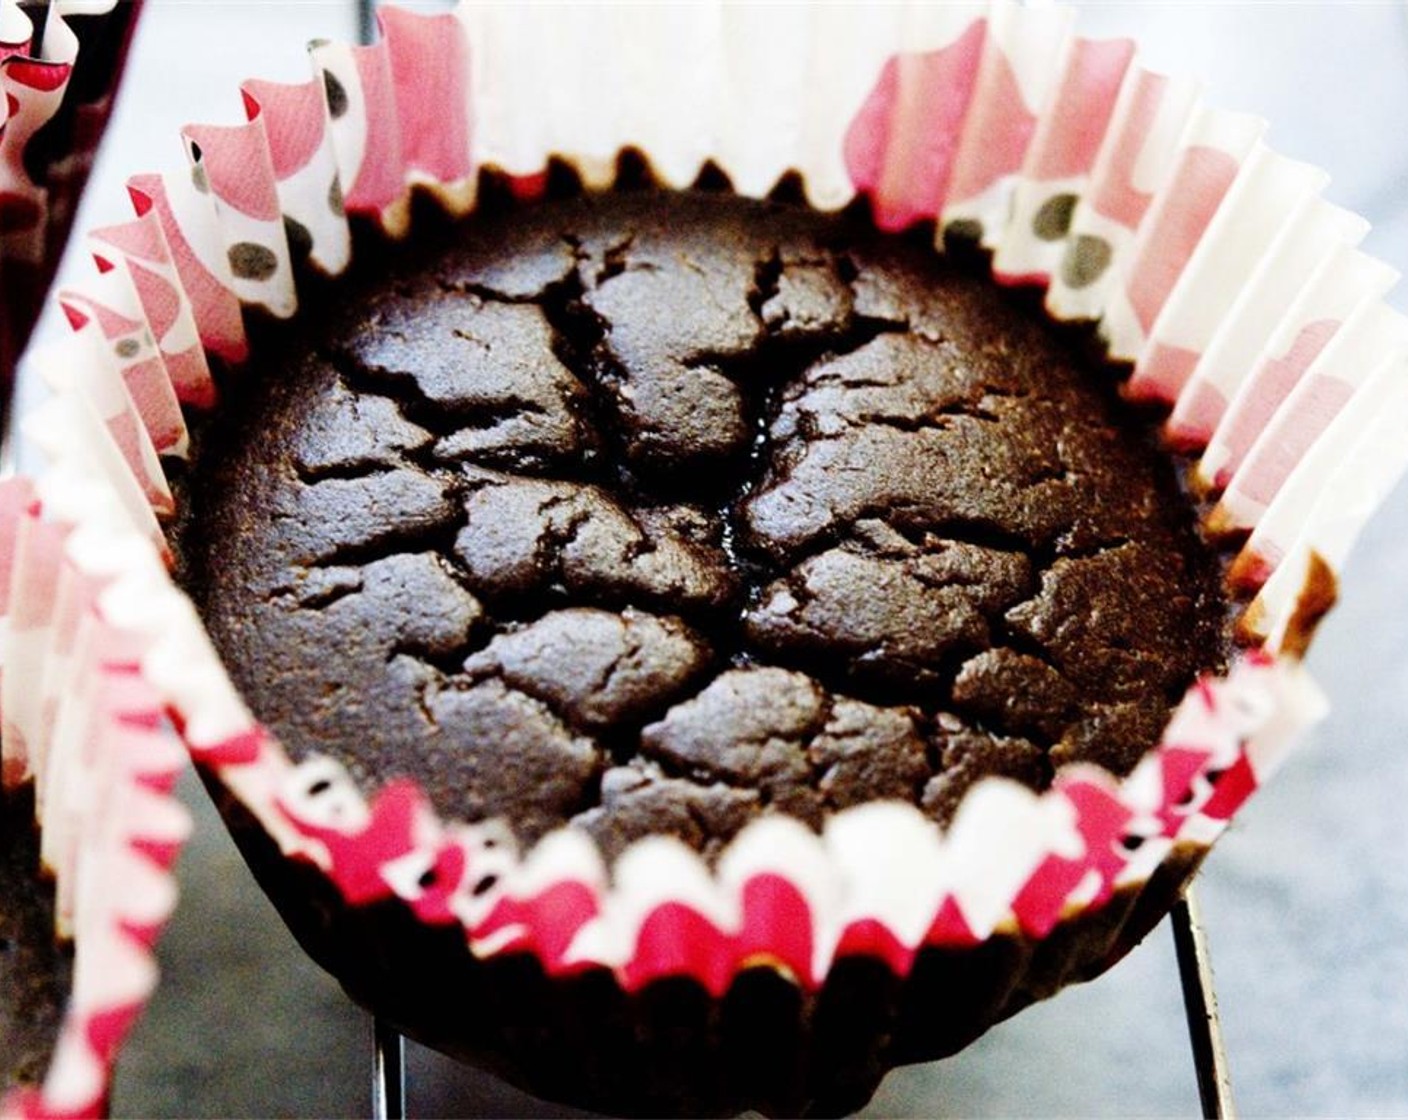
pixel 655 514
pixel 702 636
pixel 75 961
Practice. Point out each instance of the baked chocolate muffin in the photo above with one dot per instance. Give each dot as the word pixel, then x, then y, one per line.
pixel 654 513
pixel 35 969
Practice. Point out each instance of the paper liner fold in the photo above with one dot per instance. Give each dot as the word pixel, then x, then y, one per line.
pixel 1210 263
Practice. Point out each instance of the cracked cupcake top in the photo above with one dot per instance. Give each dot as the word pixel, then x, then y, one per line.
pixel 650 512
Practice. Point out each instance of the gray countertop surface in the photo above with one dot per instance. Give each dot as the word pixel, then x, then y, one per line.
pixel 1306 898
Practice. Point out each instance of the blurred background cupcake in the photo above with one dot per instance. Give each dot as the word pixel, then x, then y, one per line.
pixel 75 942
pixel 60 63
pixel 1306 909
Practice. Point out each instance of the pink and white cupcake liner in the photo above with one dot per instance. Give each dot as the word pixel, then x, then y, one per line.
pixel 94 737
pixel 38 194
pixel 80 721
pixel 1204 257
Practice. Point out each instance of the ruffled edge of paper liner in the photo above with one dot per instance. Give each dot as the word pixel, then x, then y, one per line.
pixel 1210 263
pixel 37 203
pixel 104 770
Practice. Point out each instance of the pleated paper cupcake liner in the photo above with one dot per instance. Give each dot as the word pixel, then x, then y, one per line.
pixel 60 62
pixel 84 725
pixel 1210 264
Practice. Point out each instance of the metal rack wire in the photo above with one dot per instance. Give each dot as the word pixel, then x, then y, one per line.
pixel 388 1072
pixel 1199 1002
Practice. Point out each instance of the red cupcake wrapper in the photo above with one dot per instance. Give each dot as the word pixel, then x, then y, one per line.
pixel 1126 196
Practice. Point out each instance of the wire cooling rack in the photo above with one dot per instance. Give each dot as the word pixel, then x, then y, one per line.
pixel 1199 1002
